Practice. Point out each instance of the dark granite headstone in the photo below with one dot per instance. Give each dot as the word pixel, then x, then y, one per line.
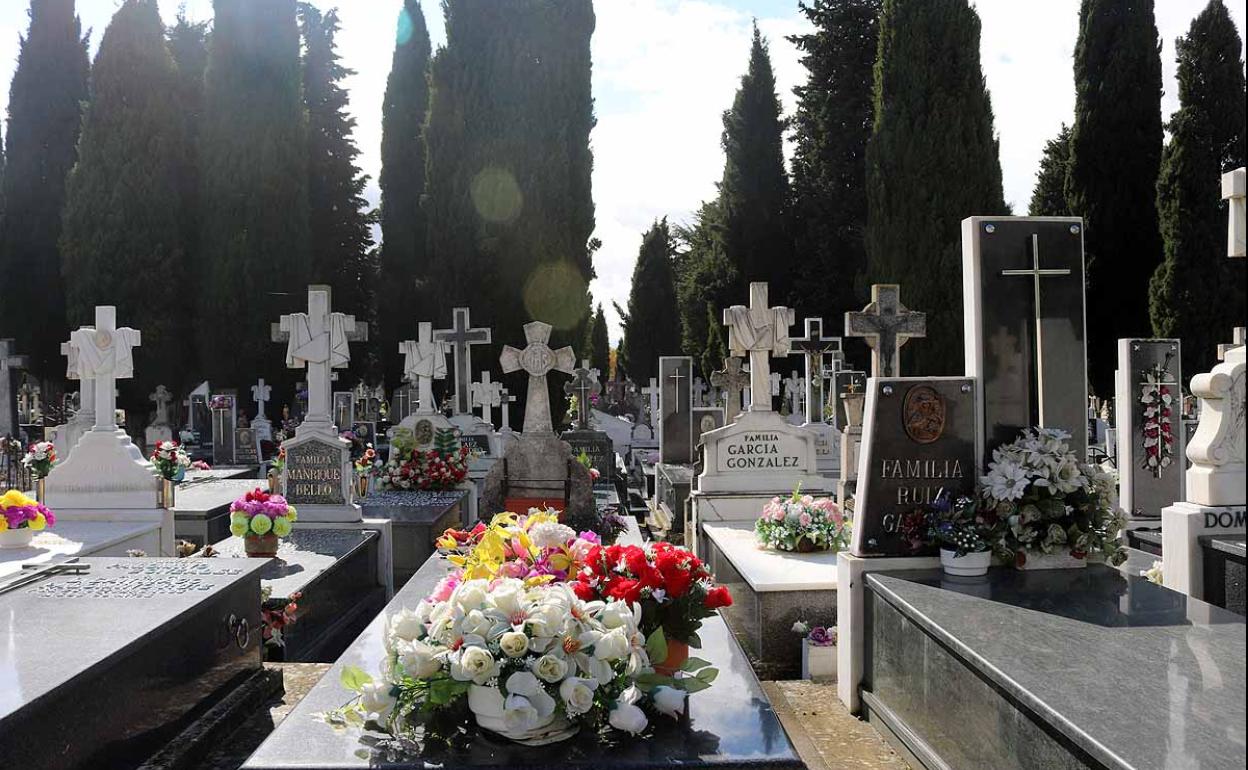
pixel 676 431
pixel 201 416
pixel 705 420
pixel 314 473
pixel 246 449
pixel 597 445
pixel 918 438
pixel 478 442
pixel 223 434
pixel 344 409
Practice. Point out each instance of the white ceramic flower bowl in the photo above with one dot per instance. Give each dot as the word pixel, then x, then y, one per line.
pixel 486 704
pixel 16 538
pixel 970 565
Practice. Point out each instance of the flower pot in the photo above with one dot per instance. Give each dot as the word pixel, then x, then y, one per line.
pixel 260 546
pixel 180 474
pixel 361 485
pixel 16 538
pixel 1062 560
pixel 971 565
pixel 818 661
pixel 274 482
pixel 41 490
pixel 677 654
pixel 166 494
pixel 486 704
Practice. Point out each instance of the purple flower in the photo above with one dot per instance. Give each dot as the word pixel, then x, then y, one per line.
pixel 821 637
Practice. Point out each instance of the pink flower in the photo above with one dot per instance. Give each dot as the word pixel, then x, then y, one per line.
pixel 804 519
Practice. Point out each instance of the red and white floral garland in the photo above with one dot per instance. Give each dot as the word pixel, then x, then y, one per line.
pixel 1158 402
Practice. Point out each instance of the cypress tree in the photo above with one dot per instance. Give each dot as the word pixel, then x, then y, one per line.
pixel 932 161
pixel 754 192
pixel 832 126
pixel 1048 199
pixel 599 353
pixel 340 223
pixel 254 205
pixel 508 199
pixel 652 319
pixel 45 115
pixel 1197 293
pixel 188 43
pixel 705 280
pixel 404 259
pixel 122 235
pixel 1115 153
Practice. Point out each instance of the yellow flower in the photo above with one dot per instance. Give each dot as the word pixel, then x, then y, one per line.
pixel 4 524
pixel 292 514
pixel 38 523
pixel 15 499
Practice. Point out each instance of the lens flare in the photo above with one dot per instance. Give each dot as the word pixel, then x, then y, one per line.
pixel 496 195
pixel 555 293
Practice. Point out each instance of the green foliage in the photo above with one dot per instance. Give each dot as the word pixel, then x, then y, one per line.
pixel 1115 153
pixel 1196 293
pixel 354 678
pixel 598 344
pixel 705 283
pixel 1048 199
pixel 254 205
pixel 652 320
pixel 831 129
pixel 404 255
pixel 754 192
pixel 340 224
pixel 445 442
pixel 932 161
pixel 45 114
pixel 122 234
pixel 188 43
pixel 509 204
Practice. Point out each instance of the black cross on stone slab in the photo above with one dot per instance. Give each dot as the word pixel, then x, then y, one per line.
pixel 584 386
pixel 1025 319
pixel 733 380
pixel 676 436
pixel 814 346
pixel 886 325
pixel 461 337
pixel 10 365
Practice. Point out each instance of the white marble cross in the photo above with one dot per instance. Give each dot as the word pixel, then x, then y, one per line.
pixel 161 398
pixel 537 359
pixel 487 395
pixel 886 325
pixel 760 332
pixel 506 400
pixel 318 340
pixel 424 360
pixel 652 392
pixel 699 392
pixel 1233 191
pixel 260 393
pixel 794 389
pixel 104 354
pixel 460 338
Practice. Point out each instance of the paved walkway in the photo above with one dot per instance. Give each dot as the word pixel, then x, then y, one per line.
pixel 826 736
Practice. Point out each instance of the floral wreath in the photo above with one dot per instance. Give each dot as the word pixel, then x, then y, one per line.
pixel 1157 400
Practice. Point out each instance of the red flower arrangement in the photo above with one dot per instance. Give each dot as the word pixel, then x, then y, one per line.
pixel 444 466
pixel 674 588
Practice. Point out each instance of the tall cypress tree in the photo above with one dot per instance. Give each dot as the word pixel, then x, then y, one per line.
pixel 404 261
pixel 652 320
pixel 598 344
pixel 509 203
pixel 932 161
pixel 1115 153
pixel 754 192
pixel 188 43
pixel 45 115
pixel 1048 198
pixel 254 206
pixel 122 236
pixel 706 282
pixel 1197 293
pixel 341 246
pixel 832 126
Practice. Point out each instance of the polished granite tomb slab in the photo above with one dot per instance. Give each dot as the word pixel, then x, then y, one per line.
pixel 418 518
pixel 732 725
pixel 335 573
pixel 70 538
pixel 201 510
pixel 1224 565
pixel 1058 668
pixel 101 669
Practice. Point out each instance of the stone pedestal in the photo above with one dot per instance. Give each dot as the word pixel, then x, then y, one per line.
pixel 318 478
pixel 851 442
pixel 155 434
pixel 1182 526
pixel 538 469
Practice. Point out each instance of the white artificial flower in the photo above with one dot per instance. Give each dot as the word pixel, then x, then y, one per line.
pixel 628 718
pixel 618 615
pixel 476 623
pixel 474 663
pixel 376 701
pixel 669 701
pixel 551 534
pixel 418 659
pixel 612 645
pixel 525 684
pixel 519 714
pixel 514 644
pixel 550 668
pixel 508 597
pixel 469 595
pixel 578 694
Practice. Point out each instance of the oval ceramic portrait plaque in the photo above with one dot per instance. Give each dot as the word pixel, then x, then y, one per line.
pixel 923 414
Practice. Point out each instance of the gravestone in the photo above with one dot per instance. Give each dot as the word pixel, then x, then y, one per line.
pixel 344 409
pixel 1023 305
pixel 595 444
pixel 733 379
pixel 83 419
pixel 918 438
pixel 585 387
pixel 223 417
pixel 365 431
pixel 1151 444
pixel 886 325
pixel 794 394
pixel 676 435
pixel 199 416
pixel 651 392
pixel 705 420
pixel 486 395
pixel 700 392
pixel 246 446
pixel 260 394
pixel 424 361
pixel 459 339
pixel 11 365
pixel 505 401
pixel 316 473
pixel 850 391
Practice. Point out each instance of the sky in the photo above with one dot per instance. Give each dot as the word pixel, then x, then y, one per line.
pixel 664 72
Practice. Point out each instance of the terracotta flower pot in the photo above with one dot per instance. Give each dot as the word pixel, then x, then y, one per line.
pixel 273 482
pixel 677 654
pixel 260 546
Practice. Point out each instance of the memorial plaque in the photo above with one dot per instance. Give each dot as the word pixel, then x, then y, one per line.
pixel 598 446
pixel 762 450
pixel 478 442
pixel 706 419
pixel 918 438
pixel 314 473
pixel 246 447
pixel 676 429
pixel 1148 414
pixel 344 409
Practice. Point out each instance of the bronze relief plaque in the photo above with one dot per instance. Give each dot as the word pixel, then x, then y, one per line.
pixel 923 414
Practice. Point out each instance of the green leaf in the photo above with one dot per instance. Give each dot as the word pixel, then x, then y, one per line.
pixel 692 685
pixel 443 691
pixel 656 646
pixel 354 678
pixel 694 641
pixel 707 675
pixel 693 664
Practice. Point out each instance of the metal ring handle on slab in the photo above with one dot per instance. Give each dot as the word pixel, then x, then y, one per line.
pixel 240 629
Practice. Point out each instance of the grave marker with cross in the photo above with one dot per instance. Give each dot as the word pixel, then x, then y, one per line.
pixel 584 386
pixel 424 360
pixel 537 360
pixel 460 338
pixel 651 391
pixel 161 397
pixel 814 346
pixel 487 395
pixel 10 365
pixel 104 354
pixel 505 401
pixel 761 332
pixel 886 325
pixel 794 389
pixel 261 393
pixel 733 380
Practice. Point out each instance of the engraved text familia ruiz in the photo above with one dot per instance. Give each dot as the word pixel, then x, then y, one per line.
pixel 917 472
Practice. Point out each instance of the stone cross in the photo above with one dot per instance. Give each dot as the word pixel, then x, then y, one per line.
pixel 1238 339
pixel 760 332
pixel 1233 192
pixel 424 361
pixel 487 395
pixel 460 338
pixel 506 400
pixel 10 365
pixel 775 383
pixel 813 347
pixel 104 353
pixel 886 325
pixel 676 377
pixel 699 392
pixel 537 359
pixel 652 391
pixel 318 340
pixel 161 398
pixel 733 381
pixel 794 388
pixel 260 393
pixel 584 386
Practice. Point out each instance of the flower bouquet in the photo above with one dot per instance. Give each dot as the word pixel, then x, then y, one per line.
pixel 818 650
pixel 276 615
pixel 39 458
pixel 965 532
pixel 364 466
pixel 1054 508
pixel 276 466
pixel 221 402
pixel 802 523
pixel 444 466
pixel 171 460
pixel 260 519
pixel 1157 401
pixel 20 518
